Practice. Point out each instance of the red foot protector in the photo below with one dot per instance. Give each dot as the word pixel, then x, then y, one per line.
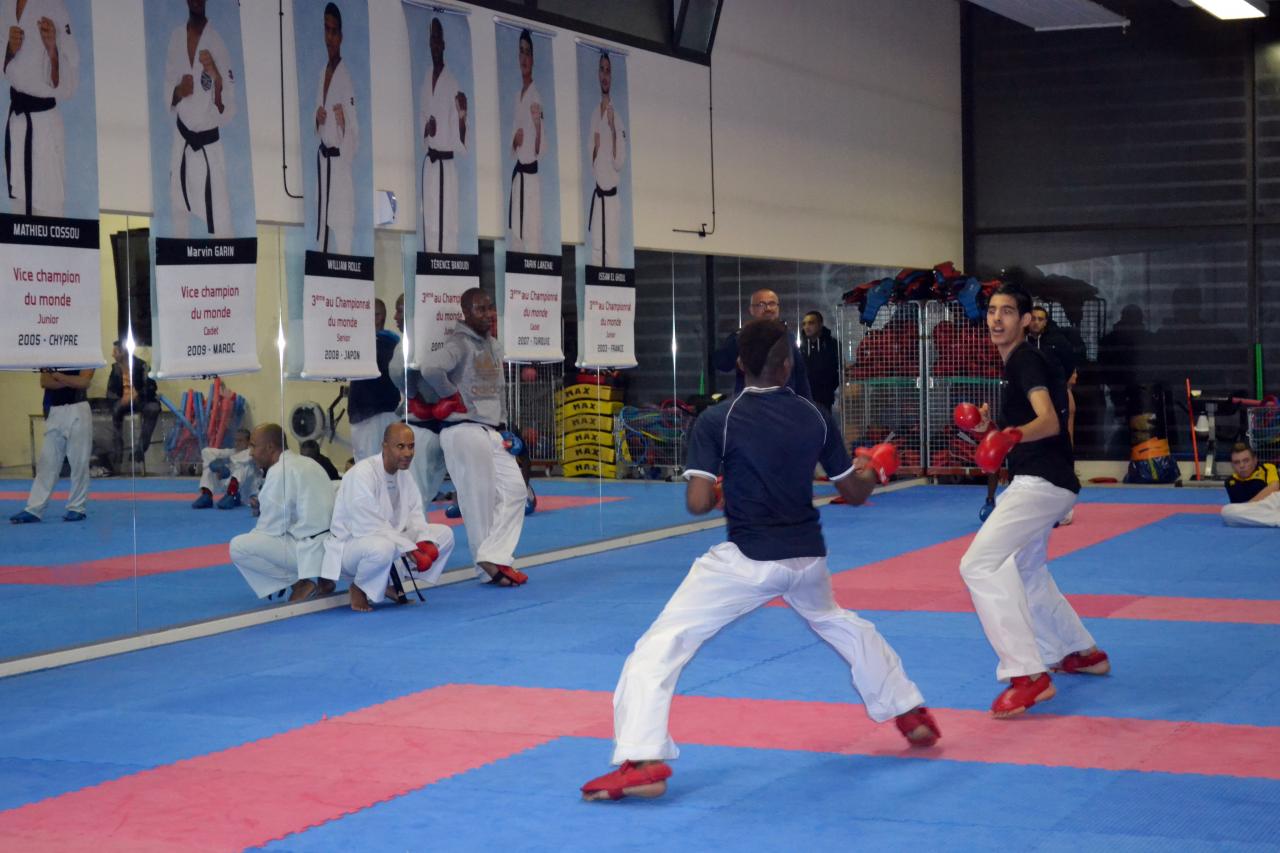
pixel 912 721
pixel 1023 692
pixel 624 781
pixel 1082 663
pixel 514 576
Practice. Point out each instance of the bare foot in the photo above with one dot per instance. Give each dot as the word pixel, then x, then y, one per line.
pixel 302 590
pixel 360 601
pixel 324 586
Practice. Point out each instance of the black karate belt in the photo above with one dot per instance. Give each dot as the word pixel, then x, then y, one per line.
pixel 401 598
pixel 324 177
pixel 196 141
pixel 604 222
pixel 520 169
pixel 434 156
pixel 24 105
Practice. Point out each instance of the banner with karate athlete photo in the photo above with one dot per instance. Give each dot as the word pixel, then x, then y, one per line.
pixel 50 284
pixel 204 284
pixel 531 285
pixel 331 259
pixel 606 275
pixel 448 262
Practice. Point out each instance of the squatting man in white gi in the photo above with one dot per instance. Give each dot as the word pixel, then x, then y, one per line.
pixel 233 464
pixel 42 65
pixel 443 118
pixel 339 138
pixel 286 546
pixel 377 518
pixel 466 373
pixel 766 442
pixel 202 84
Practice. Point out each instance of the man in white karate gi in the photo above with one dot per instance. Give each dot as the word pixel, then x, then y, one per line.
pixel 42 65
pixel 608 141
pixel 442 115
pixel 377 519
pixel 236 467
pixel 466 373
pixel 338 131
pixel 524 203
pixel 286 546
pixel 201 81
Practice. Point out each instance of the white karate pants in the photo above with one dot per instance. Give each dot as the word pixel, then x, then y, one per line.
pixel 269 563
pixel 525 231
pixel 606 224
pixel 366 436
pixel 723 585
pixel 68 432
pixel 240 465
pixel 440 206
pixel 428 468
pixel 1263 513
pixel 48 166
pixel 366 561
pixel 1027 620
pixel 194 223
pixel 491 491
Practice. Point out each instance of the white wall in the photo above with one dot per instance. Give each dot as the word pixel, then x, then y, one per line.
pixel 837 127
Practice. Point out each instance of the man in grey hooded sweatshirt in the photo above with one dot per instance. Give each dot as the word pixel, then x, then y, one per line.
pixel 467 374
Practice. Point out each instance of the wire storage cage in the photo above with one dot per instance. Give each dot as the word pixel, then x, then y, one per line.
pixel 961 366
pixel 651 441
pixel 1263 430
pixel 531 409
pixel 882 394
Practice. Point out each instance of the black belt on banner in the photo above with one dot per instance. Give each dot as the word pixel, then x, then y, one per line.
pixel 23 104
pixel 604 224
pixel 327 152
pixel 520 169
pixel 196 141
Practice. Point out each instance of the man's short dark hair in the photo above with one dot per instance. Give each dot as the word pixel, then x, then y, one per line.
pixel 1042 309
pixel 817 314
pixel 468 299
pixel 274 435
pixel 527 36
pixel 1020 296
pixel 331 10
pixel 1242 447
pixel 756 345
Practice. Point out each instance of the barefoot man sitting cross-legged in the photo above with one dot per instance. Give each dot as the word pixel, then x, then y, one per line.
pixel 377 518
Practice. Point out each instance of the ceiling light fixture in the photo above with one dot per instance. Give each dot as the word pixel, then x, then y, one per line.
pixel 1232 10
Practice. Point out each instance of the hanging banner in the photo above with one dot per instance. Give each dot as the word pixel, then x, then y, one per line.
pixel 606 276
pixel 50 284
pixel 204 283
pixel 331 302
pixel 448 262
pixel 531 284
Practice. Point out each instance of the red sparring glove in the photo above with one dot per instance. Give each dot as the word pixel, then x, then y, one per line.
pixel 425 555
pixel 994 447
pixel 419 409
pixel 882 459
pixel 968 416
pixel 447 406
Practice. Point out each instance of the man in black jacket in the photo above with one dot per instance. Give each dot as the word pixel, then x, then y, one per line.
pixel 821 353
pixel 764 305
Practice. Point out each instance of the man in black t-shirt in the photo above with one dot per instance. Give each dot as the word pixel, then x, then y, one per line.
pixel 766 442
pixel 1027 620
pixel 1253 489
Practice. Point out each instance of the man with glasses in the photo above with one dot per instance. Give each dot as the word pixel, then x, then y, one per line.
pixel 764 305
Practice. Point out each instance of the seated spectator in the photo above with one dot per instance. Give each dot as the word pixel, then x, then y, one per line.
pixel 286 547
pixel 1254 491
pixel 311 449
pixel 233 464
pixel 130 390
pixel 377 519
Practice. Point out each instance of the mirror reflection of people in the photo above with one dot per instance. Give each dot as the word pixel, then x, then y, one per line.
pixel 428 466
pixel 338 131
pixel 821 355
pixel 201 84
pixel 372 403
pixel 524 202
pixel 764 305
pixel 42 66
pixel 68 434
pixel 311 449
pixel 1253 490
pixel 378 517
pixel 233 464
pixel 286 546
pixel 443 118
pixel 131 391
pixel 607 139
pixel 467 375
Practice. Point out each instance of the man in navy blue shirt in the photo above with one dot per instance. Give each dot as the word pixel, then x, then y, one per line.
pixel 766 442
